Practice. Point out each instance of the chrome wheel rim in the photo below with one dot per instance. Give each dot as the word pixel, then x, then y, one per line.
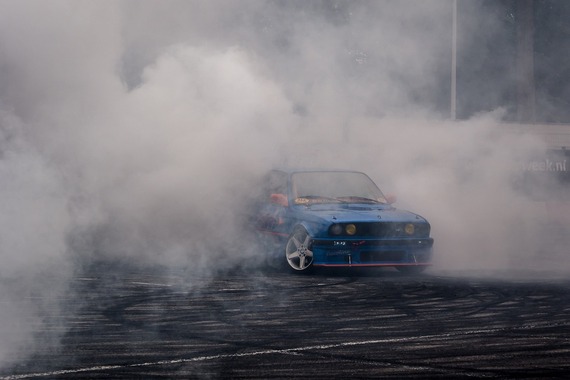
pixel 298 251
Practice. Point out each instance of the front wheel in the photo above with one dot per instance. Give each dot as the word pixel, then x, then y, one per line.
pixel 298 251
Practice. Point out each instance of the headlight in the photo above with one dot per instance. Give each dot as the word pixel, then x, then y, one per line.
pixel 350 229
pixel 409 228
pixel 336 229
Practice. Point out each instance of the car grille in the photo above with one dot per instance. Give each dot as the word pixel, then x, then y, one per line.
pixel 388 230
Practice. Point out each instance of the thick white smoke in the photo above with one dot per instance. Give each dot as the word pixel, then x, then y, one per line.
pixel 33 227
pixel 134 129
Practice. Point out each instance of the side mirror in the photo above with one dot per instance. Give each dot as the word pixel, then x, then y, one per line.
pixel 391 198
pixel 279 199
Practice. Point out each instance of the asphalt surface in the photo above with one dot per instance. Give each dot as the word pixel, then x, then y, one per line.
pixel 128 322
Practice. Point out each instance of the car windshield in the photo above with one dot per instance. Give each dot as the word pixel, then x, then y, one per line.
pixel 334 187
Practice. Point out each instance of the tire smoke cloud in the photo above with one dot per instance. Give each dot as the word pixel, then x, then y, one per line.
pixel 132 130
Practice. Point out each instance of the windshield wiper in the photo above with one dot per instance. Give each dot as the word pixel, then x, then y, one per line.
pixel 350 199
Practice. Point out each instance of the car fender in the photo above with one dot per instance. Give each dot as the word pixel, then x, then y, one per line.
pixel 311 228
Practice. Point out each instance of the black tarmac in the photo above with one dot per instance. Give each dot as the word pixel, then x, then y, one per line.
pixel 132 322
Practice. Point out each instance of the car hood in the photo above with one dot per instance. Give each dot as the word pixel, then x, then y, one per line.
pixel 334 213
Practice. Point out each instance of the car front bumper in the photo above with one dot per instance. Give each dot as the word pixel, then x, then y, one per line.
pixel 372 252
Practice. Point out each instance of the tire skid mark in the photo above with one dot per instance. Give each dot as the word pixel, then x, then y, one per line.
pixel 437 322
pixel 296 350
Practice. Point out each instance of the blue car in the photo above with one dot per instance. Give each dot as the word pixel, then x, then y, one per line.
pixel 338 219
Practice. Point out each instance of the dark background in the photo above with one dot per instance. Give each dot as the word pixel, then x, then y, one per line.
pixel 487 64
